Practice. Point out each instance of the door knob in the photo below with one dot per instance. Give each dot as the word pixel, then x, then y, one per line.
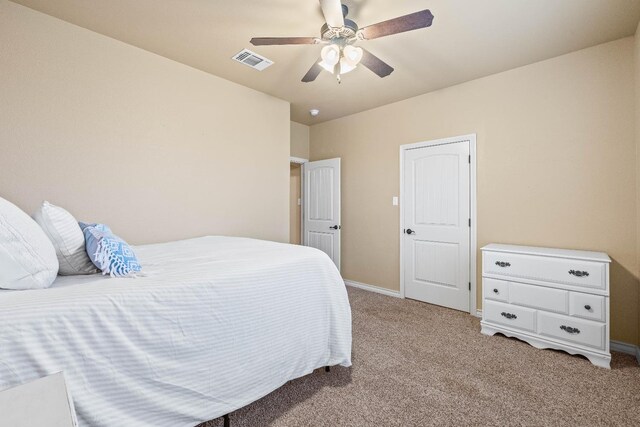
pixel 335 227
pixel 410 231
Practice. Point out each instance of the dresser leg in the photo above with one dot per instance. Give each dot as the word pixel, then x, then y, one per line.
pixel 487 330
pixel 327 368
pixel 227 422
pixel 600 361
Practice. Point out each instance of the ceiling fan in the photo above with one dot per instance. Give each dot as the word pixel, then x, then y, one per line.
pixel 339 35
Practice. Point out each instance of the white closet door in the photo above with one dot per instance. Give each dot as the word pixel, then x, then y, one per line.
pixel 436 237
pixel 322 207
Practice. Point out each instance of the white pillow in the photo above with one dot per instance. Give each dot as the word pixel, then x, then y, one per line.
pixel 27 257
pixel 68 240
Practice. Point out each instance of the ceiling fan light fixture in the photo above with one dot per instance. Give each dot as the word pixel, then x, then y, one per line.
pixel 330 54
pixel 328 67
pixel 330 57
pixel 345 67
pixel 352 55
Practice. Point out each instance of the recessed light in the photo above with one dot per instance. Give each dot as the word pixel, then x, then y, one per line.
pixel 314 112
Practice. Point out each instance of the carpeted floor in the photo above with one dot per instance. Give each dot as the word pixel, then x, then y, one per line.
pixel 416 364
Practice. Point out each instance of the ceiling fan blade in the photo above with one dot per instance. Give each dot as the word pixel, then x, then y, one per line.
pixel 375 64
pixel 332 10
pixel 268 41
pixel 313 72
pixel 413 21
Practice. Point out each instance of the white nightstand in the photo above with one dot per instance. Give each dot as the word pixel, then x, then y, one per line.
pixel 42 402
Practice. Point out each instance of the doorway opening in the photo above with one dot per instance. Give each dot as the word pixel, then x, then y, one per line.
pixel 295 203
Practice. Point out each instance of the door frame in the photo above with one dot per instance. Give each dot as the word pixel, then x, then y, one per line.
pixel 473 242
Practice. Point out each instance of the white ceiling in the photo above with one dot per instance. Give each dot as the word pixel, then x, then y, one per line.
pixel 469 39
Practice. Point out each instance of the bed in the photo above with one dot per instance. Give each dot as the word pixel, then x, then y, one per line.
pixel 213 324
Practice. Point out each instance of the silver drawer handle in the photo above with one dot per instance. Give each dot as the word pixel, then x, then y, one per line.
pixel 570 330
pixel 508 315
pixel 579 273
pixel 503 264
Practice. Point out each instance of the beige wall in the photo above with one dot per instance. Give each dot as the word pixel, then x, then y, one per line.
pixel 294 208
pixel 637 111
pixel 156 149
pixel 556 166
pixel 299 140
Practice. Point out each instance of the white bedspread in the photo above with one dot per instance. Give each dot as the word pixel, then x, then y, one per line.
pixel 215 324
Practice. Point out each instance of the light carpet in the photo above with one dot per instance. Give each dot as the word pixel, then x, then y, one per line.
pixel 416 364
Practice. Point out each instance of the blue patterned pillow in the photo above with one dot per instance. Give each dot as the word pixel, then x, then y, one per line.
pixel 109 252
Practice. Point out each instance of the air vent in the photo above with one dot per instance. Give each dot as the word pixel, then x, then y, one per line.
pixel 252 59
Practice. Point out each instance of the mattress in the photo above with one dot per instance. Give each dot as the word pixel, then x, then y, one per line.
pixel 213 324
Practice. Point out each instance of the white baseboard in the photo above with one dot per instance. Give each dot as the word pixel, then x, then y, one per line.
pixel 623 347
pixel 638 354
pixel 479 313
pixel 371 288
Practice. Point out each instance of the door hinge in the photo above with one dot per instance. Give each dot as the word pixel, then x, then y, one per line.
pixel 469 159
pixel 469 285
pixel 469 222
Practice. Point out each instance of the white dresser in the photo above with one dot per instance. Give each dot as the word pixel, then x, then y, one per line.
pixel 551 298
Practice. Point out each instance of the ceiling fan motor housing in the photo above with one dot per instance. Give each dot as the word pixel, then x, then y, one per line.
pixel 348 31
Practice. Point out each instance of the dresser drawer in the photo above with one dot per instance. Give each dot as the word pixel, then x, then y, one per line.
pixel 587 306
pixel 497 290
pixel 583 332
pixel 509 315
pixel 549 299
pixel 587 274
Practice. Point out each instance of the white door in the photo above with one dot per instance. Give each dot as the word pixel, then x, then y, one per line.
pixel 321 208
pixel 436 234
